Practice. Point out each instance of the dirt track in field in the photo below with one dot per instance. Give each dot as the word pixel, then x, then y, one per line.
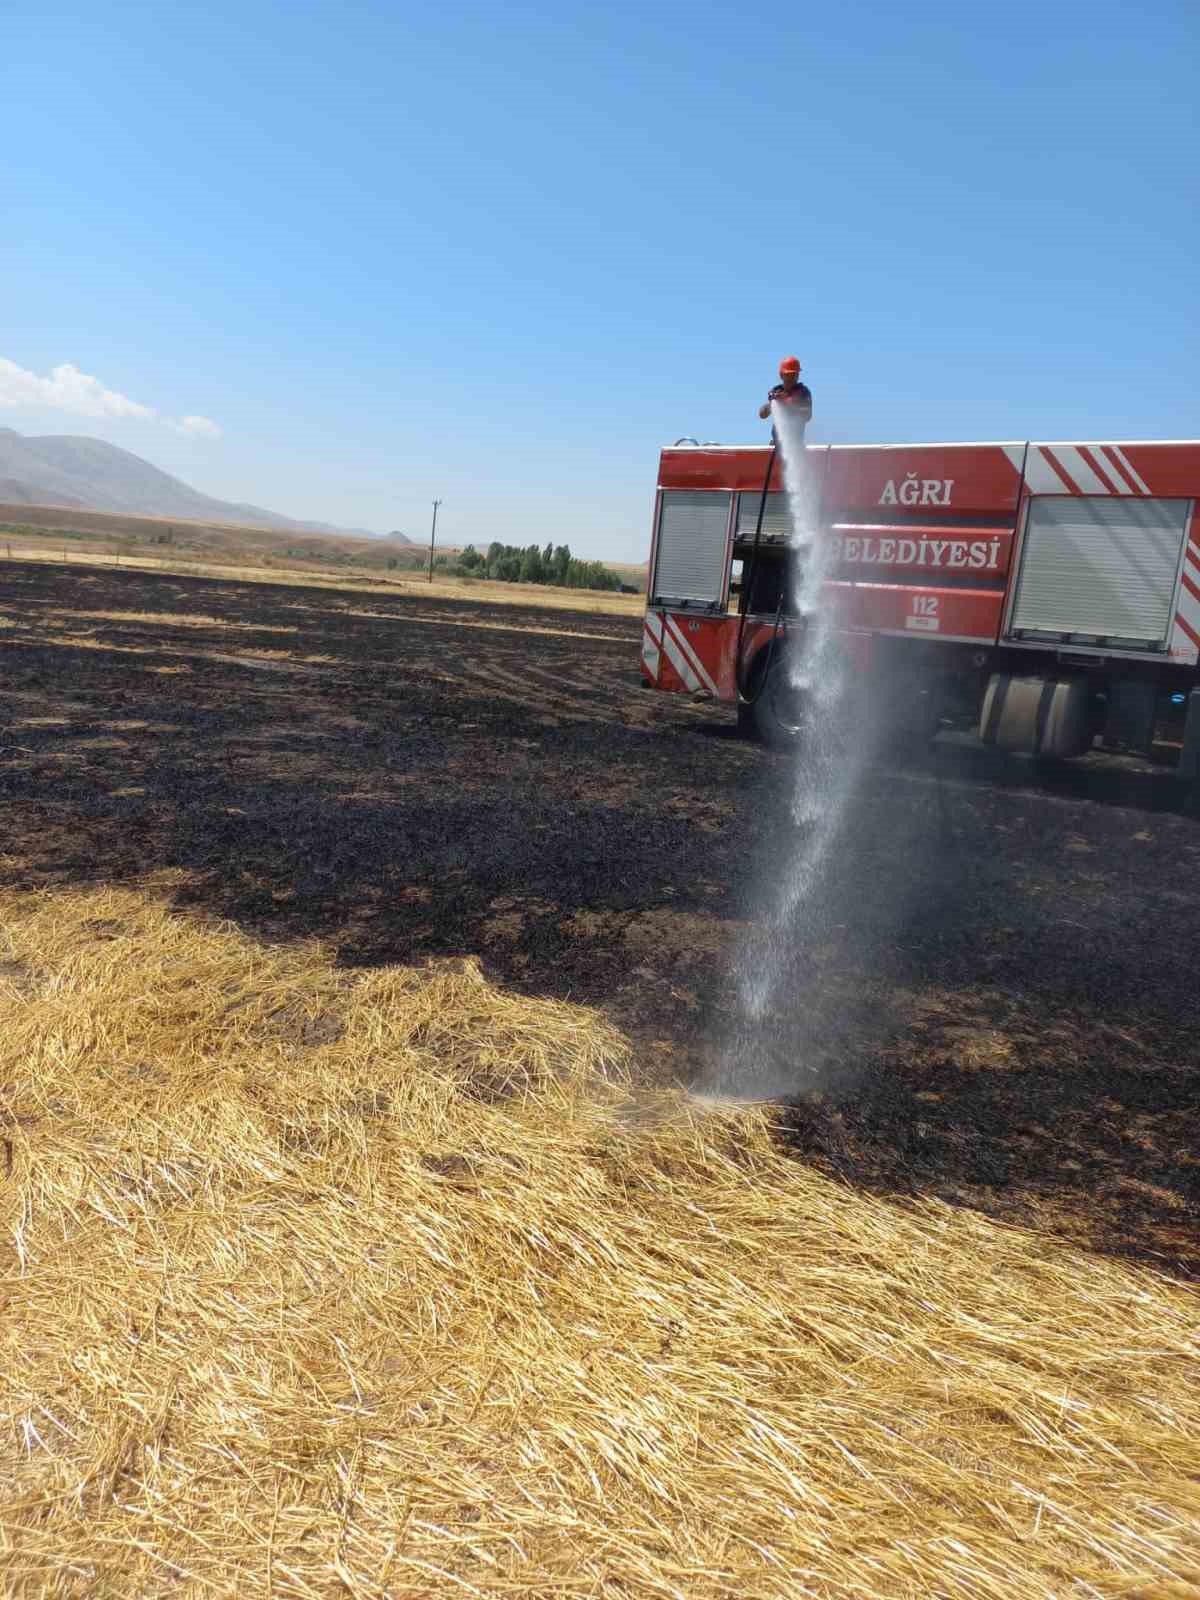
pixel 1002 994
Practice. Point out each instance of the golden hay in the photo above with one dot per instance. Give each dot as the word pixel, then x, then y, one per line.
pixel 162 619
pixel 322 1284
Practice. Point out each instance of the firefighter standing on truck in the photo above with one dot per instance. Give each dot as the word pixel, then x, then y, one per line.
pixel 793 394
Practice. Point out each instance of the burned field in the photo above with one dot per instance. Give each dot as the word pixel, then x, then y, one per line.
pixel 1000 995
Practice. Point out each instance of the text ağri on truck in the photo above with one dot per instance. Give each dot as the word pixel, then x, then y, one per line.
pixel 1049 593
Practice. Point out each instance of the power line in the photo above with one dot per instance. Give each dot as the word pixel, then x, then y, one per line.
pixel 432 537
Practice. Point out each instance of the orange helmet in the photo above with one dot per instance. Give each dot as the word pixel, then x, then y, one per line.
pixel 787 365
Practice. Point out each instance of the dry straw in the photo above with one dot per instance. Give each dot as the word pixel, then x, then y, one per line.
pixel 324 1285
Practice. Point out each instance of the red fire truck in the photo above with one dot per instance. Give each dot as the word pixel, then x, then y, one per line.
pixel 1050 593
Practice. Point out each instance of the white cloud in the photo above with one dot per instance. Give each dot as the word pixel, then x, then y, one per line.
pixel 198 427
pixel 68 389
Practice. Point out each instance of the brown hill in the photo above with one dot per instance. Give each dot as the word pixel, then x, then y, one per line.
pixel 227 540
pixel 74 470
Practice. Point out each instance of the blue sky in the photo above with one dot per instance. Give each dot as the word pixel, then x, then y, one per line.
pixel 500 254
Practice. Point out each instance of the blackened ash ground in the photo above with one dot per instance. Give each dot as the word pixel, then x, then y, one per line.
pixel 997 1005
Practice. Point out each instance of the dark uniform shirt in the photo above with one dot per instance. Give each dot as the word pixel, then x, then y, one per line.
pixel 801 394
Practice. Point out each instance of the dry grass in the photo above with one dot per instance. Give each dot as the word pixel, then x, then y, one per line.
pixel 383 1285
pixel 296 574
pixel 166 619
pixel 475 621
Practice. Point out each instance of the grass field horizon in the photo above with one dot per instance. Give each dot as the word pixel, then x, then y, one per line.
pixel 248 564
pixel 171 543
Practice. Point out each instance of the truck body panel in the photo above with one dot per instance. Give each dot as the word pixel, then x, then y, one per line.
pixel 1081 556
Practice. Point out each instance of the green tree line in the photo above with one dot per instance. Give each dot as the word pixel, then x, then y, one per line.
pixel 554 564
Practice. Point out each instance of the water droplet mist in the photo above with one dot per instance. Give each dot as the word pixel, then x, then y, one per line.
pixel 829 752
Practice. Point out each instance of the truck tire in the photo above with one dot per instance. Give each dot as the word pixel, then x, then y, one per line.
pixel 777 710
pixel 1189 758
pixel 904 714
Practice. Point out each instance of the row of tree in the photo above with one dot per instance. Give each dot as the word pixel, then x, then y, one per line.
pixel 510 563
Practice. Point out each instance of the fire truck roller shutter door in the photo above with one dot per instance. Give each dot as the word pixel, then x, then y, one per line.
pixel 691 567
pixel 1100 567
pixel 777 518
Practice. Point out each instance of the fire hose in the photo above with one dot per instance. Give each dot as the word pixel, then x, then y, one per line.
pixel 748 594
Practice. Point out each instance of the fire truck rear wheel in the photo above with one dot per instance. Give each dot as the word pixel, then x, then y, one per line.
pixel 778 710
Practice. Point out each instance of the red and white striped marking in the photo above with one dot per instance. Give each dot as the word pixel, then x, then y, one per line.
pixel 651 650
pixel 1185 636
pixel 1078 469
pixel 662 632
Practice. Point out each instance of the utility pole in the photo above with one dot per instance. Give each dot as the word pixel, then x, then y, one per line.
pixel 432 537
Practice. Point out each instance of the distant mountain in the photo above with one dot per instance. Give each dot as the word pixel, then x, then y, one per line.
pixel 88 474
pixel 15 492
